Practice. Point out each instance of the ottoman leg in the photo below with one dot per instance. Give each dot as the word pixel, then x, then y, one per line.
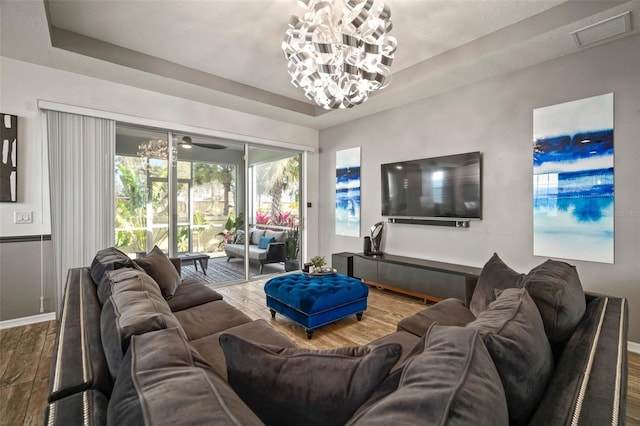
pixel 309 334
pixel 359 316
pixel 273 313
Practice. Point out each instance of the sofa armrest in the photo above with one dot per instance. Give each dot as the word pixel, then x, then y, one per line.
pixel 589 385
pixel 85 408
pixel 78 361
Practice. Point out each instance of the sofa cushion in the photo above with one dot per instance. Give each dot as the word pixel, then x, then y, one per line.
pixel 209 318
pixel 446 312
pixel 125 279
pixel 495 275
pixel 265 241
pixel 556 289
pixel 278 236
pixel 295 386
pixel 513 333
pixel 172 386
pixel 192 292
pixel 256 234
pixel 108 259
pixel 259 332
pixel 406 340
pixel 160 268
pixel 129 313
pixel 452 380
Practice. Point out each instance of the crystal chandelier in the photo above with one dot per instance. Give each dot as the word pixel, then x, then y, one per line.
pixel 339 51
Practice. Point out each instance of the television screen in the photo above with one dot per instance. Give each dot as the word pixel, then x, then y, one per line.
pixel 439 187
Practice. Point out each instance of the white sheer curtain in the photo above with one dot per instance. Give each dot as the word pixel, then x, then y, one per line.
pixel 81 175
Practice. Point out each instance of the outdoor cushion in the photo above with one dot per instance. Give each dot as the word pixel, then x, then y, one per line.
pixel 108 259
pixel 513 333
pixel 256 234
pixel 160 268
pixel 495 275
pixel 295 386
pixel 125 279
pixel 127 314
pixel 446 312
pixel 239 237
pixel 278 236
pixel 556 289
pixel 172 385
pixel 265 241
pixel 451 381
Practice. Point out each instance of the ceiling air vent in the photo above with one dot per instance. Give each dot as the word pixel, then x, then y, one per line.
pixel 603 30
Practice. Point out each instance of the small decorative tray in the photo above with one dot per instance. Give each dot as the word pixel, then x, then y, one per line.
pixel 319 274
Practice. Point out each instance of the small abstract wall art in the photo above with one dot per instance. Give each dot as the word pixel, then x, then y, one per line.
pixel 348 192
pixel 9 158
pixel 573 185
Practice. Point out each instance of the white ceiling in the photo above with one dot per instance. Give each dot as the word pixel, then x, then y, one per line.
pixel 227 53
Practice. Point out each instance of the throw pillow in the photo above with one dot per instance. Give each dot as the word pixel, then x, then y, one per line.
pixel 557 291
pixel 265 241
pixel 513 333
pixel 172 385
pixel 108 259
pixel 494 275
pixel 239 238
pixel 451 380
pixel 295 386
pixel 160 268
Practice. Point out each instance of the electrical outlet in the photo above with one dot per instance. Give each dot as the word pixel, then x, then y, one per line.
pixel 22 217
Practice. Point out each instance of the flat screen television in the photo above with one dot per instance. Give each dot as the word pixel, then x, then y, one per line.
pixel 439 187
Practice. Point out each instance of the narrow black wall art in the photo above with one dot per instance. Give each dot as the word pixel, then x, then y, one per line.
pixel 9 158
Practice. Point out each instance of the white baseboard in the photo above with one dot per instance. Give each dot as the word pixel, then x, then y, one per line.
pixel 633 347
pixel 49 316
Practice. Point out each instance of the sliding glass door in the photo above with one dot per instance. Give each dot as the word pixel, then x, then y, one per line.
pixel 275 197
pixel 187 193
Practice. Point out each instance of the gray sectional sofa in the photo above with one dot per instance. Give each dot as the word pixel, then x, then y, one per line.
pixel 138 345
pixel 272 252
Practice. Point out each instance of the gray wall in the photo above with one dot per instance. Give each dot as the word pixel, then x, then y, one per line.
pixel 23 267
pixel 495 117
pixel 22 84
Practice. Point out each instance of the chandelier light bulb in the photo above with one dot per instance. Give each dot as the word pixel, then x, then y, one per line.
pixel 339 51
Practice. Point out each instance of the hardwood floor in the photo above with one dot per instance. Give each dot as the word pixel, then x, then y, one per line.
pixel 25 355
pixel 25 359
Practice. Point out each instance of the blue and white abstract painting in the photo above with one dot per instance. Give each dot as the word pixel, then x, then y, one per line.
pixel 573 190
pixel 348 192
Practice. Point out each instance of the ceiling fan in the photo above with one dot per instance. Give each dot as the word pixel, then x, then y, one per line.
pixel 187 143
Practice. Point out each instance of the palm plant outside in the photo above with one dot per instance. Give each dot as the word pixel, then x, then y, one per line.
pixel 132 173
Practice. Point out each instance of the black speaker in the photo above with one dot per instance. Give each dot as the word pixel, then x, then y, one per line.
pixel 367 246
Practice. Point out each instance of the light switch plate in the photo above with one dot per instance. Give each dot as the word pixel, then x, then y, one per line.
pixel 22 217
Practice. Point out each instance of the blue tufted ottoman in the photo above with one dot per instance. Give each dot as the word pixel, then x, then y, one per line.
pixel 313 301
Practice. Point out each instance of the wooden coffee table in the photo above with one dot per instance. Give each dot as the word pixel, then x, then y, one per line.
pixel 203 258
